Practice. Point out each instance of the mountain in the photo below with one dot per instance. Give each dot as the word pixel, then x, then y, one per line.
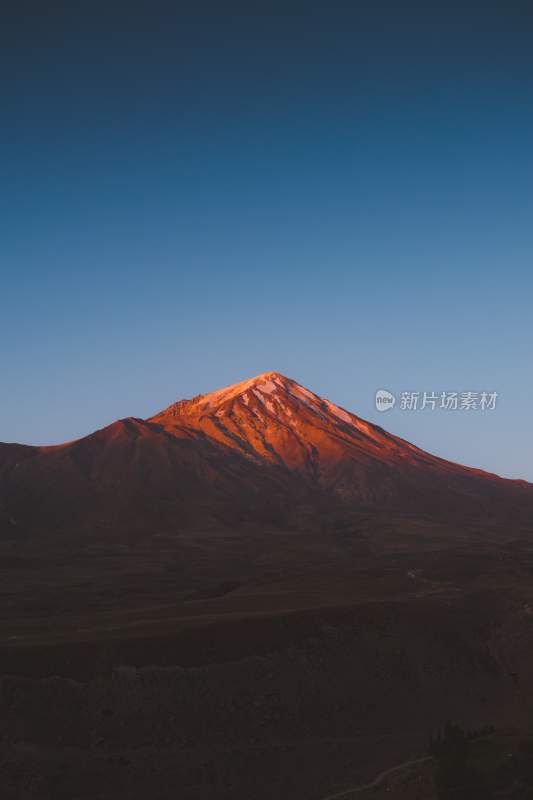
pixel 265 449
pixel 273 420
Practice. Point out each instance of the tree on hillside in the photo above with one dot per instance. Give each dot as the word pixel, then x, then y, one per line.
pixel 456 778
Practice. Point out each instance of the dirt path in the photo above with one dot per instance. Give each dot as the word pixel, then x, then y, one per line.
pixel 378 779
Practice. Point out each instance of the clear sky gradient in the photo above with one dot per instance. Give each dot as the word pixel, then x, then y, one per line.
pixel 338 192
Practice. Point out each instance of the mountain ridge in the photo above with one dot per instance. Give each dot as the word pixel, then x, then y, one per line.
pixel 257 449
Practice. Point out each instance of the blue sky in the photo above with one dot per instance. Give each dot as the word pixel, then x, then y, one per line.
pixel 342 194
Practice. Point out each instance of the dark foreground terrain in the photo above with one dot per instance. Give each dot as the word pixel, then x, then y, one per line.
pixel 296 664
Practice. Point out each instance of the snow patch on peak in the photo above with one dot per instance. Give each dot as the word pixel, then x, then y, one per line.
pixel 302 392
pixel 267 382
pixel 267 386
pixel 339 413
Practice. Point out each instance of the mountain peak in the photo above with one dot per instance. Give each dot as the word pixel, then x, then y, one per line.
pixel 273 419
pixel 267 388
pixel 269 376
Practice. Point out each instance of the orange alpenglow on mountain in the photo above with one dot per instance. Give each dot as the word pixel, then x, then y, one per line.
pixel 264 443
pixel 275 419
